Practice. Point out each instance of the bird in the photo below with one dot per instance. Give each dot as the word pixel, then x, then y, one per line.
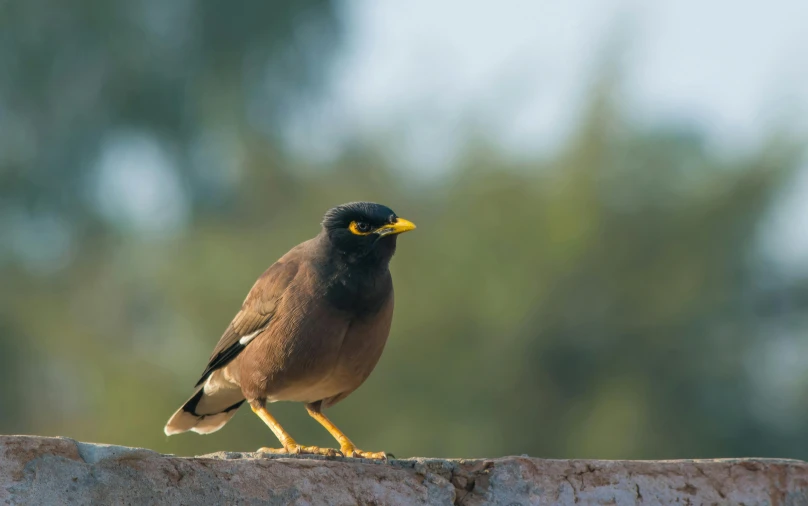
pixel 311 330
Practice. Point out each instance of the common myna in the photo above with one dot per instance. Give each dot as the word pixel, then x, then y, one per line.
pixel 311 330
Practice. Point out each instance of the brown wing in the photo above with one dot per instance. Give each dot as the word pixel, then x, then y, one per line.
pixel 254 316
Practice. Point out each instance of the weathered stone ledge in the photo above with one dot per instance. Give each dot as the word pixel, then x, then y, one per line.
pixel 41 470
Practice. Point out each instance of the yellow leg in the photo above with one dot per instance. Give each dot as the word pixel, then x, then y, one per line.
pixel 290 446
pixel 346 445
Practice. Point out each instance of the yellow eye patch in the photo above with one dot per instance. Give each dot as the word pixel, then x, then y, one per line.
pixel 360 228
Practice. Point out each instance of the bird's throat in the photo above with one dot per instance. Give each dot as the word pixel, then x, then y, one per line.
pixel 358 289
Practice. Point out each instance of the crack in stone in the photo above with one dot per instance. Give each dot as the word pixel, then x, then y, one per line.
pixel 712 481
pixel 574 490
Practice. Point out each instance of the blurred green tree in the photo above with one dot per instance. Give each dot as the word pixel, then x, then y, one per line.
pixel 609 301
pixel 191 83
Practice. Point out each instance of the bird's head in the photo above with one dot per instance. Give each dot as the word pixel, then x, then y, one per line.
pixel 364 230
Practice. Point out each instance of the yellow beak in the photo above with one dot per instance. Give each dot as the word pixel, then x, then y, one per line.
pixel 399 227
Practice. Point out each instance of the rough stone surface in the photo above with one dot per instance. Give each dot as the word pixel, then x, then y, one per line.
pixel 41 470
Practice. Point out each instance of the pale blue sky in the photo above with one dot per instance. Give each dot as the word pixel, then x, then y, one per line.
pixel 424 68
pixel 419 73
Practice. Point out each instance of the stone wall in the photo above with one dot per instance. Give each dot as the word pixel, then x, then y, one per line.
pixel 45 471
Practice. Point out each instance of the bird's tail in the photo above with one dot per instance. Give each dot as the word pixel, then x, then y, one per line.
pixel 212 405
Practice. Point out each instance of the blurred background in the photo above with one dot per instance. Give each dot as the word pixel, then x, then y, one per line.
pixel 611 196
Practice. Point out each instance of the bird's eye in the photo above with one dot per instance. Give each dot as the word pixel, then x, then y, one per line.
pixel 360 227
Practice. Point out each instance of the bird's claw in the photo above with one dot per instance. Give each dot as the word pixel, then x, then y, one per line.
pixel 357 453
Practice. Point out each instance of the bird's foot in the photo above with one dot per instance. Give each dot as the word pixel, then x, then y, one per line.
pixel 296 449
pixel 352 451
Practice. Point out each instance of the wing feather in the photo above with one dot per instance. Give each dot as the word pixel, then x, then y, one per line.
pixel 255 315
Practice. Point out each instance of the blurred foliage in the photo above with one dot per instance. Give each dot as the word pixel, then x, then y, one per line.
pixel 186 71
pixel 609 301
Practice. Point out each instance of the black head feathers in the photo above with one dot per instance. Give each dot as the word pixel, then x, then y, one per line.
pixel 373 214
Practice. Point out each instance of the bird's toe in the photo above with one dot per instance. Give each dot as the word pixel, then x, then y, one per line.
pixel 296 449
pixel 272 450
pixel 316 450
pixel 350 451
pixel 372 455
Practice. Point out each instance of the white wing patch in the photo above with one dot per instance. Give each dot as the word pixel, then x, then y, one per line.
pixel 244 341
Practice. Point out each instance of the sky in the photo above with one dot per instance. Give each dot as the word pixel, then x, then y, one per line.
pixel 421 75
pixel 420 71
